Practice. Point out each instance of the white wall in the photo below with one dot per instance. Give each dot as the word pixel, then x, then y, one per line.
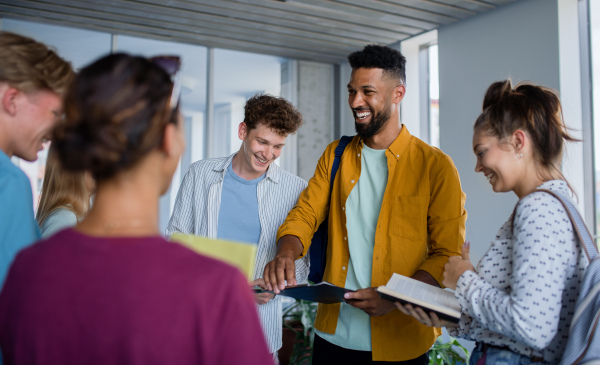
pixel 519 40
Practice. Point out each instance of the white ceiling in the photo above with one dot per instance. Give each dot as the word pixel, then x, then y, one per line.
pixel 319 30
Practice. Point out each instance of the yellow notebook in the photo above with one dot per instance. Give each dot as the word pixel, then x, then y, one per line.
pixel 238 254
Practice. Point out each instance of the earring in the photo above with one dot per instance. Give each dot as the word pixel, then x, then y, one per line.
pixel 519 155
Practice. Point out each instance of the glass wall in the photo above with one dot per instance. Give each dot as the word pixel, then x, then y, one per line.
pixel 594 12
pixel 236 77
pixel 239 76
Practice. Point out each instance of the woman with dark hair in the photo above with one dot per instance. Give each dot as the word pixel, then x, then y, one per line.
pixel 519 300
pixel 112 290
pixel 65 197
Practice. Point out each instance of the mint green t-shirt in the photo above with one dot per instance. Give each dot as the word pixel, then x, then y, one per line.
pixel 353 329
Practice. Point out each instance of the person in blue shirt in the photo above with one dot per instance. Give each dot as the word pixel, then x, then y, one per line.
pixel 33 79
pixel 246 197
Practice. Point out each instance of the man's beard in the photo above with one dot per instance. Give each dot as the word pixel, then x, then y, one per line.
pixel 365 131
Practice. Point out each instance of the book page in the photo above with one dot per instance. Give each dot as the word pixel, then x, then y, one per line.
pixel 424 292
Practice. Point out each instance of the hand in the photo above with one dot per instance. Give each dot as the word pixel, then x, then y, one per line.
pixel 429 320
pixel 369 301
pixel 261 298
pixel 283 266
pixel 456 266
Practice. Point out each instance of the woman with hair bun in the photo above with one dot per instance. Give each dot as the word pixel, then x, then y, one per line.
pixel 112 290
pixel 519 300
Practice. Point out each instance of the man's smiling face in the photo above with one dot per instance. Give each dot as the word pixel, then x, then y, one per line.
pixel 369 96
pixel 260 147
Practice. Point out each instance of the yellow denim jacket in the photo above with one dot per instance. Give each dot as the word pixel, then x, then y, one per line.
pixel 421 224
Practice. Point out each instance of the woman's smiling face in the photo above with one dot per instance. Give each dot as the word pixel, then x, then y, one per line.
pixel 497 161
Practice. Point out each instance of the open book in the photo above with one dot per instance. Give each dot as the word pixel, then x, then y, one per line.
pixel 238 254
pixel 430 298
pixel 322 292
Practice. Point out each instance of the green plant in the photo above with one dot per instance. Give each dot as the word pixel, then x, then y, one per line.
pixel 300 318
pixel 451 352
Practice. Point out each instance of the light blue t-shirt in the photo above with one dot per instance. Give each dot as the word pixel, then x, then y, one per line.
pixel 238 214
pixel 18 227
pixel 58 220
pixel 353 329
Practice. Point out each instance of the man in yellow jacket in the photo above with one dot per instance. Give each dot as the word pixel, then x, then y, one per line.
pixel 396 207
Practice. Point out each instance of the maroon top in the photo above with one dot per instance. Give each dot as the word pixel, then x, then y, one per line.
pixel 77 299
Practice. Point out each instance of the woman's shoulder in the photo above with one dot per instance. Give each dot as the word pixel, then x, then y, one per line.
pixel 540 205
pixel 542 198
pixel 57 220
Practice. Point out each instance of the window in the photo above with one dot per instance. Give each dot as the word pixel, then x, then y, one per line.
pixel 236 77
pixel 420 106
pixel 594 14
pixel 239 76
pixel 434 97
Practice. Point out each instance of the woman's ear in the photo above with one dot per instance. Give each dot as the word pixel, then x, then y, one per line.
pixel 173 144
pixel 520 140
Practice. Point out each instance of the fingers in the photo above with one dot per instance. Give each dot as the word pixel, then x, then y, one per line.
pixel 362 294
pixel 290 274
pixel 269 276
pixel 262 298
pixel 466 250
pixel 280 272
pixel 435 320
pixel 259 282
pixel 277 272
pixel 401 308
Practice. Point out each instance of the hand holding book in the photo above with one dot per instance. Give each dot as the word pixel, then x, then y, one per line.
pixel 261 297
pixel 429 319
pixel 369 301
pixel 418 294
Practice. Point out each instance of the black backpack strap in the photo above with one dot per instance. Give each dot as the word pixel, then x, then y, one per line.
pixel 339 151
pixel 318 247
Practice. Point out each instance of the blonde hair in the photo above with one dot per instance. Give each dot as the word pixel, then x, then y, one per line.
pixel 62 189
pixel 30 66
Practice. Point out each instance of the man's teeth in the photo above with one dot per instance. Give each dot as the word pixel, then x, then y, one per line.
pixel 261 160
pixel 362 115
pixel 489 177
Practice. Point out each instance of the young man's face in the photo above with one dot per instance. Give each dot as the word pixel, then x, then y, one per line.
pixel 37 113
pixel 370 96
pixel 260 147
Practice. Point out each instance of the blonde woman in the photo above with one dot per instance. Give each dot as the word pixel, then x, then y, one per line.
pixel 65 197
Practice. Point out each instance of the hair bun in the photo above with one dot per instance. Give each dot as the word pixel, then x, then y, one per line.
pixel 114 115
pixel 496 92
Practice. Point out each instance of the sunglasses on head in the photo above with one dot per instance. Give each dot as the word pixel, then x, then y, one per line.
pixel 172 66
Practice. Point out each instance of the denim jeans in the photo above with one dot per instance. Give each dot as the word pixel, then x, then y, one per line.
pixel 500 356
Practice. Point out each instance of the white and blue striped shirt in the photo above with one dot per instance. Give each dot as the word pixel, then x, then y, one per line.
pixel 196 212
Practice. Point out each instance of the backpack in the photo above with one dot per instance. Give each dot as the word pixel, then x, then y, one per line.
pixel 583 345
pixel 318 246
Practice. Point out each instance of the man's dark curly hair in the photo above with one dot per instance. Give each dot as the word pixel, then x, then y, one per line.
pixel 276 113
pixel 376 56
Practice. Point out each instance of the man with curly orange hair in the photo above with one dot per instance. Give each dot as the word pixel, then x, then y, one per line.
pixel 246 197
